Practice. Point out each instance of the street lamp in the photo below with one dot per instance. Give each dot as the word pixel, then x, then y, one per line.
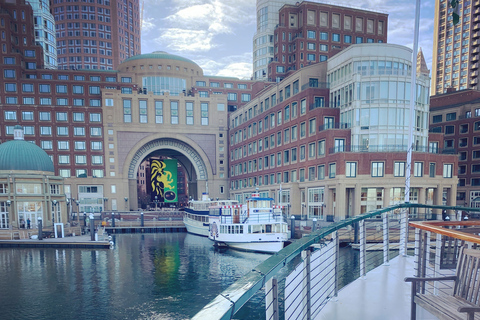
pixel 8 211
pixel 54 203
pixel 126 203
pixel 156 202
pixel 105 200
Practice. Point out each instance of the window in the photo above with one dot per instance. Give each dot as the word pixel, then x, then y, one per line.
pixel 80 159
pixel 44 88
pixel 377 169
pixel 46 144
pixel 432 170
pixel 399 169
pixel 62 131
pixel 44 116
pixel 78 89
pixel 449 129
pixel 451 116
pixel 80 145
pixel 46 131
pixel 418 169
pixel 312 124
pixel 321 147
pixel 96 145
pixel 63 145
pixel 27 87
pixel 339 145
pixel 63 159
pixel 437 118
pixel 61 116
pixel 302 130
pixel 332 168
pixel 10 115
pixel 189 112
pixel 78 116
pixel 79 131
pixel 27 115
pixel 174 112
pixel 321 172
pixel 96 131
pixel 127 111
pixel 351 170
pixel 142 109
pixel 204 113
pixel 447 170
pixel 231 96
pixel 158 111
pixel 61 88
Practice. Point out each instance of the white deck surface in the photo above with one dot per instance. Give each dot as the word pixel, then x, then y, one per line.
pixel 381 295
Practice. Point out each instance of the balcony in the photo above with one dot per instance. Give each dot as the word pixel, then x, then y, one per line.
pixel 474 66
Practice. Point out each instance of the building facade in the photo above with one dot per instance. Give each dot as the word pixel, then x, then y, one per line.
pixel 331 153
pixel 29 189
pixel 456 115
pixel 310 32
pixel 267 21
pixel 456 47
pixel 45 31
pixel 96 34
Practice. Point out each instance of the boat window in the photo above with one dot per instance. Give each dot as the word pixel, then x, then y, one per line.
pixel 268 228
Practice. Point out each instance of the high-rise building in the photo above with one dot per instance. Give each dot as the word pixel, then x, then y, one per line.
pixel 96 34
pixel 267 21
pixel 44 24
pixel 455 48
pixel 311 32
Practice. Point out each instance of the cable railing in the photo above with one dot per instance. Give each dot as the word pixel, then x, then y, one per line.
pixel 298 281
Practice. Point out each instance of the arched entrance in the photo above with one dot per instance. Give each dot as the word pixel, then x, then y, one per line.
pixel 191 157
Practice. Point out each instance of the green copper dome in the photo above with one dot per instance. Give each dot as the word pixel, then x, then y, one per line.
pixel 19 154
pixel 160 55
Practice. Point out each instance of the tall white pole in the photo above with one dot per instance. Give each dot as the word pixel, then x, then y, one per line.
pixel 413 91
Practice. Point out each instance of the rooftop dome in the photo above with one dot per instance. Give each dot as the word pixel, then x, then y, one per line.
pixel 19 154
pixel 159 55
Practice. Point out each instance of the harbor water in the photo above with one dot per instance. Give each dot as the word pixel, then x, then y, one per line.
pixel 145 276
pixel 149 276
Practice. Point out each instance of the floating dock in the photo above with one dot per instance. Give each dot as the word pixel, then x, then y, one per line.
pixel 67 242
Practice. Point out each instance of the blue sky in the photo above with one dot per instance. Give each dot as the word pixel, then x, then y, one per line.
pixel 218 34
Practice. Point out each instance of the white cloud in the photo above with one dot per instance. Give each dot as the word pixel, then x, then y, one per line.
pixel 185 40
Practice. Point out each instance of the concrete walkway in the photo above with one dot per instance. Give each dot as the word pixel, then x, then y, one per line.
pixel 381 295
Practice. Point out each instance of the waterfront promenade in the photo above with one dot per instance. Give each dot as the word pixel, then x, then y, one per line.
pixel 82 241
pixel 381 294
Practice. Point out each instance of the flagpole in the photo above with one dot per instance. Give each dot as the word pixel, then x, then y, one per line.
pixel 413 90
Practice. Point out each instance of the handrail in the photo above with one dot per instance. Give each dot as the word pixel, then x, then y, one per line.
pixel 437 227
pixel 232 299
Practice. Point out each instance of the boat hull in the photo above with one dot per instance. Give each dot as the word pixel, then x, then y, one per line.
pixel 196 227
pixel 264 247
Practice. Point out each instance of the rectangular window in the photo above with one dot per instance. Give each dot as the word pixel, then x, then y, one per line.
pixel 80 145
pixel 44 116
pixel 447 170
pixel 321 172
pixel 332 168
pixel 351 170
pixel 95 117
pixel 418 169
pixel 204 113
pixel 189 112
pixel 127 111
pixel 142 110
pixel 399 169
pixel 78 89
pixel 158 111
pixel 61 116
pixel 27 115
pixel 174 112
pixel 321 147
pixel 377 169
pixel 432 170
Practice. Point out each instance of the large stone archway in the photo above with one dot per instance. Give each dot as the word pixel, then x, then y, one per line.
pixel 188 152
pixel 168 143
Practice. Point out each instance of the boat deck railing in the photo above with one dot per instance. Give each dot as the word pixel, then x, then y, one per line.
pixel 298 281
pixel 254 218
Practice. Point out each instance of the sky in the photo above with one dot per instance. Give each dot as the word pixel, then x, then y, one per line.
pixel 218 34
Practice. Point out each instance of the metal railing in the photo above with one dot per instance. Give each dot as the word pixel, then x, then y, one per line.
pixel 298 281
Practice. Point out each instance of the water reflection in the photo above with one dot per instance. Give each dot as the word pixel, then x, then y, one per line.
pixel 153 276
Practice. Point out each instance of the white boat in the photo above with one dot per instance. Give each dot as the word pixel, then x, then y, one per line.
pixel 257 225
pixel 196 214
